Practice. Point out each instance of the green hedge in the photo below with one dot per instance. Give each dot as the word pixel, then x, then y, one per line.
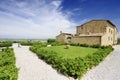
pixel 32 43
pixel 86 45
pixel 8 70
pixel 53 42
pixel 118 41
pixel 72 67
pixel 26 43
pixel 5 43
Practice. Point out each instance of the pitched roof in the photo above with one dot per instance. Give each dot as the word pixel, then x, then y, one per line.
pixel 99 20
pixel 64 34
pixel 106 21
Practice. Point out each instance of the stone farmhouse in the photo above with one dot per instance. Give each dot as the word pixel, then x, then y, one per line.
pixel 102 32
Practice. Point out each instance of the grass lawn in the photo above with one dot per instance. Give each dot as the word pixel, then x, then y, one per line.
pixel 72 52
pixel 75 61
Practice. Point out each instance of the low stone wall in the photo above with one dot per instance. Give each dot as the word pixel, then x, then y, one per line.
pixel 90 40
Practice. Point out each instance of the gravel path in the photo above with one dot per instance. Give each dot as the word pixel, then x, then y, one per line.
pixel 109 69
pixel 32 68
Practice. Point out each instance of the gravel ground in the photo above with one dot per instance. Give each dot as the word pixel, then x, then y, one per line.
pixel 32 68
pixel 109 69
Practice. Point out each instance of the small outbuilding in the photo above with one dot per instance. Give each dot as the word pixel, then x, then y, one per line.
pixel 64 37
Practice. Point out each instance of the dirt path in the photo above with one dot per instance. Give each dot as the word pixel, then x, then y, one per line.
pixel 109 69
pixel 32 68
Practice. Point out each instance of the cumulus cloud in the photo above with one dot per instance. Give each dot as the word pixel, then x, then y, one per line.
pixel 33 19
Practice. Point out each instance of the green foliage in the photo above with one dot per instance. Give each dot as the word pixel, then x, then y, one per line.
pixel 32 43
pixel 74 67
pixel 53 42
pixel 5 44
pixel 8 70
pixel 118 40
pixel 49 41
pixel 86 45
pixel 27 43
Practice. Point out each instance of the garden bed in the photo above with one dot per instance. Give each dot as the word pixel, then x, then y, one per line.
pixel 74 61
pixel 8 70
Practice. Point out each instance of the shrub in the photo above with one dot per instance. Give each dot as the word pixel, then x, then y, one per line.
pixel 8 70
pixel 96 46
pixel 53 42
pixel 5 43
pixel 83 45
pixel 118 41
pixel 72 67
pixel 32 43
pixel 49 41
pixel 27 43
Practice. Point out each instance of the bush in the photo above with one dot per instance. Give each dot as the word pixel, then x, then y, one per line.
pixel 53 42
pixel 96 46
pixel 5 43
pixel 49 41
pixel 32 43
pixel 8 70
pixel 26 43
pixel 83 45
pixel 86 45
pixel 118 41
pixel 72 67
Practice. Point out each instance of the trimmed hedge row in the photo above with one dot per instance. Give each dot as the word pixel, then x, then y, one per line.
pixel 72 67
pixel 8 70
pixel 52 42
pixel 27 43
pixel 5 44
pixel 32 43
pixel 86 45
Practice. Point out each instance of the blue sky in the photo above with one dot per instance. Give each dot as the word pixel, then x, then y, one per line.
pixel 43 19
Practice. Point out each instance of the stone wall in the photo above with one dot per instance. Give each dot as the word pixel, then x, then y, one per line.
pixel 60 38
pixel 110 37
pixel 92 27
pixel 90 40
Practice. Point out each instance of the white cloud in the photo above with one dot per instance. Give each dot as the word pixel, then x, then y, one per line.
pixel 56 3
pixel 33 19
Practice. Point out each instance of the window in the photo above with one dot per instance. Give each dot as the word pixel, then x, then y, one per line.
pixel 81 28
pixel 68 39
pixel 109 31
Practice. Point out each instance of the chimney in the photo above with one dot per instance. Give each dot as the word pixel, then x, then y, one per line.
pixel 60 32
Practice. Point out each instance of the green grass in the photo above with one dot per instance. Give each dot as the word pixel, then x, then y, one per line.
pixel 72 52
pixel 75 61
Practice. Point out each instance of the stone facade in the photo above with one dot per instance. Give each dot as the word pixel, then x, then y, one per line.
pixel 90 40
pixel 64 37
pixel 101 32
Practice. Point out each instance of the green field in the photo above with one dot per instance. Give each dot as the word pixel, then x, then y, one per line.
pixel 72 52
